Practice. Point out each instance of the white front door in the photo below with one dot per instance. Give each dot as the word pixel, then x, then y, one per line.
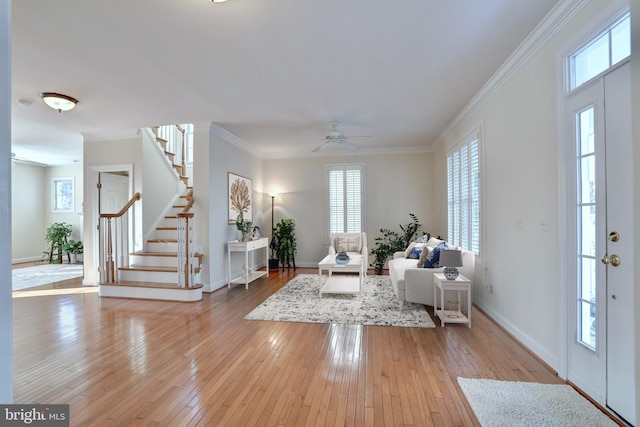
pixel 600 352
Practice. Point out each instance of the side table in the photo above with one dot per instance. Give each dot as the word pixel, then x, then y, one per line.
pixel 461 283
pixel 246 247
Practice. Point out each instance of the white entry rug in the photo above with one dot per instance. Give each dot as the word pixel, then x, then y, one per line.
pixel 39 275
pixel 511 403
pixel 299 301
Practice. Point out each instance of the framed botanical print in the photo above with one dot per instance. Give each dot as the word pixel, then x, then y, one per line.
pixel 239 198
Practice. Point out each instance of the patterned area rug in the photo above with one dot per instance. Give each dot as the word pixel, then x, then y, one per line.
pixel 511 403
pixel 299 301
pixel 44 274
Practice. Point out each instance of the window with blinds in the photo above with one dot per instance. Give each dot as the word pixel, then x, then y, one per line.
pixel 463 189
pixel 345 185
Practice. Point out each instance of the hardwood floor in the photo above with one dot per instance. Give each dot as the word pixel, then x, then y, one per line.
pixel 132 362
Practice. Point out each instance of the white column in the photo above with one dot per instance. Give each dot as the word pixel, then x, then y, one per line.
pixel 6 320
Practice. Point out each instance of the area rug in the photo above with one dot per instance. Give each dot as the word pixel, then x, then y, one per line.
pixel 299 301
pixel 39 275
pixel 510 403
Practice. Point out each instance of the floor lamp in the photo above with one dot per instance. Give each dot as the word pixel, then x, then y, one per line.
pixel 273 262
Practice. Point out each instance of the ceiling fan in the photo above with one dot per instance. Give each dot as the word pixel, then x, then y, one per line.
pixel 336 137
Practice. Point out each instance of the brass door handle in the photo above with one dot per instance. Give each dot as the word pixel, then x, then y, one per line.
pixel 614 260
pixel 614 236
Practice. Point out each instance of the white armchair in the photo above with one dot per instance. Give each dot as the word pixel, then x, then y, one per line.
pixel 351 243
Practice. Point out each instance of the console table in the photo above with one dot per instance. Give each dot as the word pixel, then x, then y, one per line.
pixel 249 273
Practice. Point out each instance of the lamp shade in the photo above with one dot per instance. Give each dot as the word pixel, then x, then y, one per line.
pixel 450 258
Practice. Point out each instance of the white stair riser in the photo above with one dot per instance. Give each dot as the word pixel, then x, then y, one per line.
pixel 163 247
pixel 151 293
pixel 166 234
pixel 152 261
pixel 149 276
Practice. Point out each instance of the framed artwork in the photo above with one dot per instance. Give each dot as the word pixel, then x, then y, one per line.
pixel 62 191
pixel 239 199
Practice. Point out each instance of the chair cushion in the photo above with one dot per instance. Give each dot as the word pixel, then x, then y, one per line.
pixel 352 243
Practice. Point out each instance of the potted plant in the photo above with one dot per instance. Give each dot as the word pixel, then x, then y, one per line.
pixel 57 235
pixel 274 262
pixel 391 242
pixel 74 249
pixel 245 227
pixel 286 245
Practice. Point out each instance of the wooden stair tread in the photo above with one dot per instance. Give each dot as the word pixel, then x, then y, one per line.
pixel 167 228
pixel 162 240
pixel 150 285
pixel 167 254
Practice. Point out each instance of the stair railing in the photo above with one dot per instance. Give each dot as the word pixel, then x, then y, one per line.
pixel 186 253
pixel 114 242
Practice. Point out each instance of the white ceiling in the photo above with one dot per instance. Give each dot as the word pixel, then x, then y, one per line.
pixel 272 73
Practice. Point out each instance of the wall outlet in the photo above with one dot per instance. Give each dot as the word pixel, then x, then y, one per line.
pixel 544 225
pixel 519 224
pixel 490 288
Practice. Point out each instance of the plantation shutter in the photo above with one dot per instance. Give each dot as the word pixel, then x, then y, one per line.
pixel 463 195
pixel 345 188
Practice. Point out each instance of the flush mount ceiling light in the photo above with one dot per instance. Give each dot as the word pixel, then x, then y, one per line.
pixel 58 101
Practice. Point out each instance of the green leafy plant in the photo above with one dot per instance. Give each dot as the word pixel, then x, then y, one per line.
pixel 285 245
pixel 57 236
pixel 392 241
pixel 245 226
pixel 73 247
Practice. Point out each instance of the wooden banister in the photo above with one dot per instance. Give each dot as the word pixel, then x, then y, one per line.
pixel 124 210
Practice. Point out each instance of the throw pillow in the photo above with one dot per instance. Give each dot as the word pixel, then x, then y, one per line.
pixel 411 247
pixel 415 252
pixel 423 239
pixel 433 259
pixel 348 244
pixel 425 253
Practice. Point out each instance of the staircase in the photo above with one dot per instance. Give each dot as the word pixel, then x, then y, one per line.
pixel 161 271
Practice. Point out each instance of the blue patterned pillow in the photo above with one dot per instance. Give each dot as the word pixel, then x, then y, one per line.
pixel 433 259
pixel 415 252
pixel 423 239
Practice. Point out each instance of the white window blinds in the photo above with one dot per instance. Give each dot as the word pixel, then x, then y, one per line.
pixel 345 185
pixel 463 189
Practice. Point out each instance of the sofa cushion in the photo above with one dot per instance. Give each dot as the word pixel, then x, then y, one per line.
pixel 433 259
pixel 433 242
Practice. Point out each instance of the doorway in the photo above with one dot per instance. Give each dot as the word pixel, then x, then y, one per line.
pixel 600 356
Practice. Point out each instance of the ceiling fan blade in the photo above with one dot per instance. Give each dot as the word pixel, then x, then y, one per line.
pixel 350 146
pixel 321 147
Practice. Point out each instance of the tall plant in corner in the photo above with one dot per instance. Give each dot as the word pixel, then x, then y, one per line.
pixel 391 242
pixel 285 245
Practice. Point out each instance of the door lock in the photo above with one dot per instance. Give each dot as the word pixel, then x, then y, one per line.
pixel 614 236
pixel 614 260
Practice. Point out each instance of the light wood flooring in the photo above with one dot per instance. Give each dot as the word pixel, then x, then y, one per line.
pixel 131 362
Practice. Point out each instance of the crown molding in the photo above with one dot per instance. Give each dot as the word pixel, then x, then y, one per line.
pixel 345 153
pixel 111 135
pixel 234 140
pixel 555 20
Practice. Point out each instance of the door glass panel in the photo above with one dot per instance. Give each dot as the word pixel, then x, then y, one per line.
pixel 586 220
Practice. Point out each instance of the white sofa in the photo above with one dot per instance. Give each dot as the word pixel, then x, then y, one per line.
pixel 415 284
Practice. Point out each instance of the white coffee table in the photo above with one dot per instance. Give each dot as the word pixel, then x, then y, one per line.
pixel 341 283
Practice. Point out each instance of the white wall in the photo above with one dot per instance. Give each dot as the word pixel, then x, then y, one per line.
pixel 635 112
pixel 396 185
pixel 225 157
pixel 521 132
pixel 28 217
pixel 6 311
